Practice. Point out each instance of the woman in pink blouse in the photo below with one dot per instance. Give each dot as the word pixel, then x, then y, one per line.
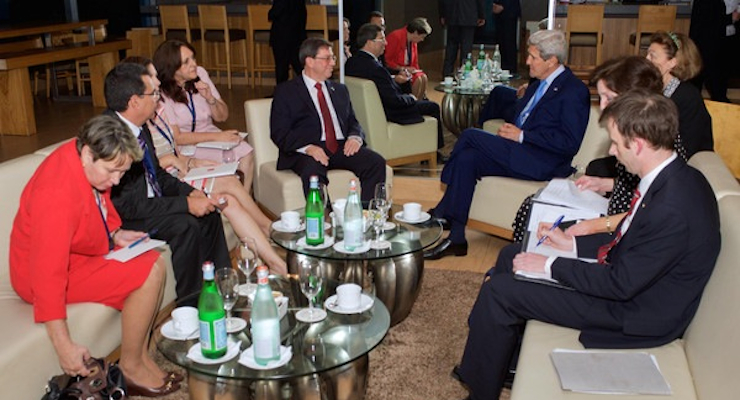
pixel 192 104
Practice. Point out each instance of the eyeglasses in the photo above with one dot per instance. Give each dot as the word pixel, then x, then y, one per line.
pixel 327 58
pixel 379 40
pixel 156 94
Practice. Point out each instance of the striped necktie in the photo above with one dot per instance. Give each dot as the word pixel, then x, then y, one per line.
pixel 604 250
pixel 151 176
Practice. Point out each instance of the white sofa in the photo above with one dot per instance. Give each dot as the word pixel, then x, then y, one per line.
pixel 703 364
pixel 497 199
pixel 27 358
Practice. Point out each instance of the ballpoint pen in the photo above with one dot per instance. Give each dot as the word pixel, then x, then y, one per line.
pixel 552 228
pixel 141 239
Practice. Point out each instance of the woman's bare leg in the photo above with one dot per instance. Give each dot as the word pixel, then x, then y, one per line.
pixel 246 166
pixel 231 185
pixel 245 226
pixel 419 87
pixel 139 311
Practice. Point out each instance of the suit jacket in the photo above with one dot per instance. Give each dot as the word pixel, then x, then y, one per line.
pixel 295 122
pixel 461 12
pixel 130 195
pixel 554 130
pixel 694 121
pixel 395 51
pixel 655 276
pixel 398 106
pixel 288 19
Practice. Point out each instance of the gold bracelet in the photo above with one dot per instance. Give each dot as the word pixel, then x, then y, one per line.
pixel 608 225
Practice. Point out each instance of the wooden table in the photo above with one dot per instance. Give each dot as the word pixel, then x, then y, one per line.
pixel 45 30
pixel 16 99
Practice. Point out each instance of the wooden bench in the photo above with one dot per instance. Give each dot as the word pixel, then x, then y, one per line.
pixel 16 101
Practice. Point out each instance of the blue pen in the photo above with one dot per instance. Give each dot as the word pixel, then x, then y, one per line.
pixel 552 228
pixel 141 239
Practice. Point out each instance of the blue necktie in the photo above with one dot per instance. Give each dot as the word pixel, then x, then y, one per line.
pixel 151 176
pixel 527 110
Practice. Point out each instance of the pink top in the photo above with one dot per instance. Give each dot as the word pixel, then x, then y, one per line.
pixel 181 115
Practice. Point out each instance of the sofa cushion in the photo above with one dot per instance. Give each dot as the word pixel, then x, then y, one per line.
pixel 536 378
pixel 714 169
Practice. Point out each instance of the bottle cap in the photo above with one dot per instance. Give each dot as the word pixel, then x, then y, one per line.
pixel 262 273
pixel 208 269
pixel 352 184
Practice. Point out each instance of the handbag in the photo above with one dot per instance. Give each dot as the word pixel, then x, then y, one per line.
pixel 105 382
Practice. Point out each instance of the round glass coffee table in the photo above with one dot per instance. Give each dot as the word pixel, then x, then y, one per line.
pixel 395 274
pixel 330 358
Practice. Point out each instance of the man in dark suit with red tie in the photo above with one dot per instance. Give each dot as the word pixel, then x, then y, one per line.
pixel 648 281
pixel 148 198
pixel 314 126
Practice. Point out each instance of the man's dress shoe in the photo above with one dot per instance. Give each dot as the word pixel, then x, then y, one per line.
pixel 133 389
pixel 442 220
pixel 446 248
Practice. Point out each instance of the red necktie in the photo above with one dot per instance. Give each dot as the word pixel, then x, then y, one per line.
pixel 604 250
pixel 331 136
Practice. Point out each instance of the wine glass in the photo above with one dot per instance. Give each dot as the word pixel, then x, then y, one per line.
pixel 377 212
pixel 384 190
pixel 247 259
pixel 311 278
pixel 227 280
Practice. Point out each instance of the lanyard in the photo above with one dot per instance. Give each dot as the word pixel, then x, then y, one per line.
pixel 167 135
pixel 99 201
pixel 191 107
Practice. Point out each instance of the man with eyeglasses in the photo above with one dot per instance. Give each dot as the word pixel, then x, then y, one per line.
pixel 399 107
pixel 149 199
pixel 314 126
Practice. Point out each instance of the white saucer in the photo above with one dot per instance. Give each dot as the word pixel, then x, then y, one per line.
pixel 328 242
pixel 239 325
pixel 278 226
pixel 423 217
pixel 366 302
pixel 247 358
pixel 339 246
pixel 232 350
pixel 168 331
pixel 304 315
pixel 388 225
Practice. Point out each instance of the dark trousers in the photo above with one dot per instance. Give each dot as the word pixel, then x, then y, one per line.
pixel 506 39
pixel 431 109
pixel 368 165
pixel 193 240
pixel 502 308
pixel 286 56
pixel 458 37
pixel 476 154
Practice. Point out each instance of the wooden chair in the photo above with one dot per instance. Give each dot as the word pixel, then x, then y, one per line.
pixel 214 27
pixel 176 24
pixel 144 40
pixel 258 39
pixel 317 21
pixel 651 19
pixel 584 28
pixel 82 70
pixel 726 131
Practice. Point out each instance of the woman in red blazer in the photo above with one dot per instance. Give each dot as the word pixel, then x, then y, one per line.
pixel 401 53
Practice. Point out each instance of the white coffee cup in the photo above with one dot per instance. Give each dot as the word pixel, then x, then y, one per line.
pixel 348 296
pixel 412 211
pixel 290 220
pixel 185 320
pixel 338 207
pixel 448 81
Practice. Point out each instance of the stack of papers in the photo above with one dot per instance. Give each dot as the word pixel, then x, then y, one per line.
pixel 609 372
pixel 211 172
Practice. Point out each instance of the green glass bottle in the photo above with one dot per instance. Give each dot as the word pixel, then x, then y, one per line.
pixel 211 315
pixel 314 214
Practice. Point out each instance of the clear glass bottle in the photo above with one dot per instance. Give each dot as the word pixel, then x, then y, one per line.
pixel 211 315
pixel 496 61
pixel 353 234
pixel 265 321
pixel 314 214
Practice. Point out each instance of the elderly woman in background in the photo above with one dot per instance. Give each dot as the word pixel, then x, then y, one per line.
pixel 242 212
pixel 402 54
pixel 192 103
pixel 64 228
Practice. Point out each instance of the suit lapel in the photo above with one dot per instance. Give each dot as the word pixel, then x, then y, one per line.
pixel 333 94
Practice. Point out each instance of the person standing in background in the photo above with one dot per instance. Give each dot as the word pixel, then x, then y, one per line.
pixel 288 31
pixel 460 17
pixel 713 30
pixel 506 15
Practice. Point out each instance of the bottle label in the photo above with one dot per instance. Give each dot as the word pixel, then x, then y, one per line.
pixel 213 335
pixel 266 340
pixel 314 228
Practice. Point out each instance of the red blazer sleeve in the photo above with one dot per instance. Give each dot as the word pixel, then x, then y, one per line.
pixel 396 48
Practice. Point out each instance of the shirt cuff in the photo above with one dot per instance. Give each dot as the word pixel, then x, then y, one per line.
pixel 548 266
pixel 521 137
pixel 302 150
pixel 357 138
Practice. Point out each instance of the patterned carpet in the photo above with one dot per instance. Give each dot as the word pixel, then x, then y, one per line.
pixel 416 357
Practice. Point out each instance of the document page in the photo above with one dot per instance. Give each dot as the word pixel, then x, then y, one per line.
pixel 564 192
pixel 126 253
pixel 210 172
pixel 609 372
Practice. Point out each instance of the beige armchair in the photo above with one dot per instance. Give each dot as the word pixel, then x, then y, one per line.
pixel 398 144
pixel 507 194
pixel 278 191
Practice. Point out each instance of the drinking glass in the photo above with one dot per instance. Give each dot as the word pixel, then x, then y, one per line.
pixel 311 279
pixel 384 191
pixel 227 280
pixel 247 259
pixel 377 213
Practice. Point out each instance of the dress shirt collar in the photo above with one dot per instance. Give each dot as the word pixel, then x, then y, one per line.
pixel 371 54
pixel 136 130
pixel 550 78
